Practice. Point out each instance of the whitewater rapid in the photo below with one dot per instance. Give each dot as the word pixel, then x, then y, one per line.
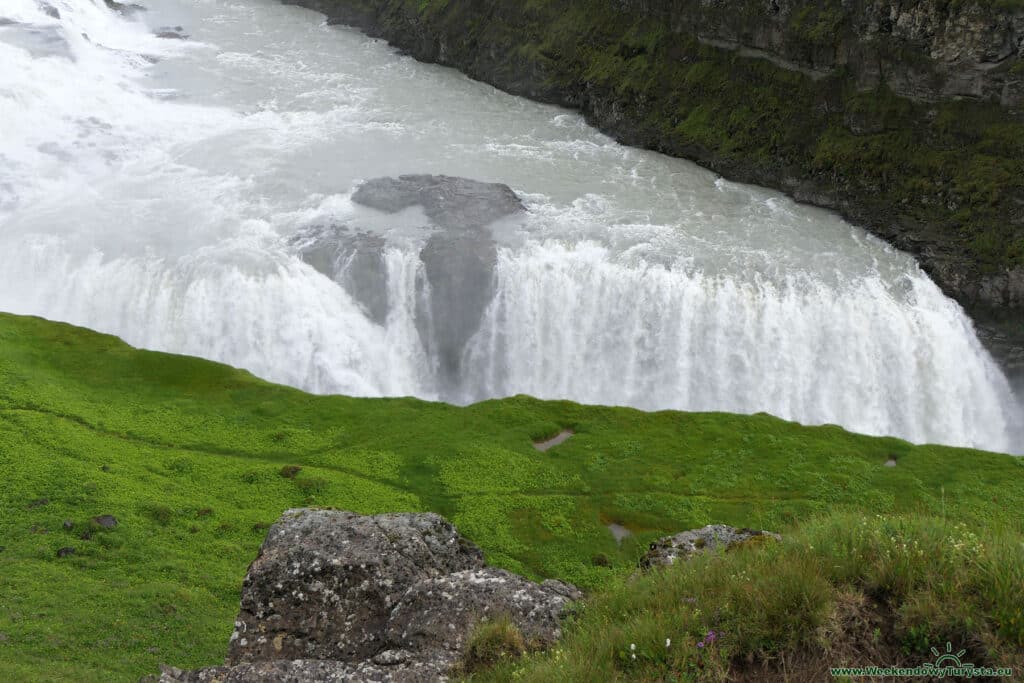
pixel 157 188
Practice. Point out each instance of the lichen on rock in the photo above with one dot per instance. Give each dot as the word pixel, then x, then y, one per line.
pixel 336 596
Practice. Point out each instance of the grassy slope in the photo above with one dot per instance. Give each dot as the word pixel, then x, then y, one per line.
pixel 844 590
pixel 187 454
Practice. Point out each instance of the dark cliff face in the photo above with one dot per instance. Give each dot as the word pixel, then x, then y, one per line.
pixel 926 50
pixel 905 116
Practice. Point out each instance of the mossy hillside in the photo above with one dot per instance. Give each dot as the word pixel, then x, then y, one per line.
pixel 943 180
pixel 191 458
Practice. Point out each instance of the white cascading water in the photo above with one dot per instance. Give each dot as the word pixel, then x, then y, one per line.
pixel 157 188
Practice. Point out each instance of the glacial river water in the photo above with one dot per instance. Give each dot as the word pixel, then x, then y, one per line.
pixel 165 190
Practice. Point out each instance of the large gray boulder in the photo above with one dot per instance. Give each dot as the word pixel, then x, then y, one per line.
pixel 666 551
pixel 335 596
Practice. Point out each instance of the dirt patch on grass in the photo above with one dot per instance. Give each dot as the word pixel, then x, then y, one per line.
pixel 557 439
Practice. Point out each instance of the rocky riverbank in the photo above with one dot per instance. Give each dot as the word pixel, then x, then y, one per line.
pixel 905 116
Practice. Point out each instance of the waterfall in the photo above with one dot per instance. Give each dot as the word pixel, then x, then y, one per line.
pixel 177 194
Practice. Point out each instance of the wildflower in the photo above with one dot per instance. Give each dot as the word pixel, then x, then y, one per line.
pixel 632 647
pixel 668 642
pixel 700 644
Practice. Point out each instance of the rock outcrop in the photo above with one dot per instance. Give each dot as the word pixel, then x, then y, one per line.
pixel 335 596
pixel 905 116
pixel 668 550
pixel 459 256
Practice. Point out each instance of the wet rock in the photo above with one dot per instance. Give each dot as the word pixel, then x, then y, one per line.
pixel 458 258
pixel 668 550
pixel 335 596
pixel 65 552
pixel 171 33
pixel 50 10
pixel 105 521
pixel 353 260
pixel 450 202
pixel 85 535
pixel 124 9
pixel 68 525
pixel 460 275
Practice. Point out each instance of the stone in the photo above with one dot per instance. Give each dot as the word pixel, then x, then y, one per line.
pixel 459 256
pixel 460 273
pixel 336 596
pixel 666 551
pixel 451 203
pixel 171 33
pixel 439 612
pixel 353 260
pixel 65 552
pixel 124 9
pixel 68 525
pixel 105 521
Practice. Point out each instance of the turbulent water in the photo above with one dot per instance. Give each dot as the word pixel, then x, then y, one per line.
pixel 164 190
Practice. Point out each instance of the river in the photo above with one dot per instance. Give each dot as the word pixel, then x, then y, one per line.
pixel 167 191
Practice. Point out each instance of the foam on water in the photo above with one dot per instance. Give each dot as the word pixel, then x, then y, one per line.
pixel 154 188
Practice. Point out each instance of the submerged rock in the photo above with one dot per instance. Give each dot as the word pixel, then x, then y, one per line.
pixel 335 596
pixel 681 546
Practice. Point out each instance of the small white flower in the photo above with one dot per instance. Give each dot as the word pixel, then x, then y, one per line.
pixel 632 647
pixel 633 656
pixel 668 642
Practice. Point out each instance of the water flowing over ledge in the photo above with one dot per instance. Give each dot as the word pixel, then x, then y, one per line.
pixel 160 190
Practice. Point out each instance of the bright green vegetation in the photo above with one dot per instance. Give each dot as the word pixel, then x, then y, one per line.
pixel 195 460
pixel 844 590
